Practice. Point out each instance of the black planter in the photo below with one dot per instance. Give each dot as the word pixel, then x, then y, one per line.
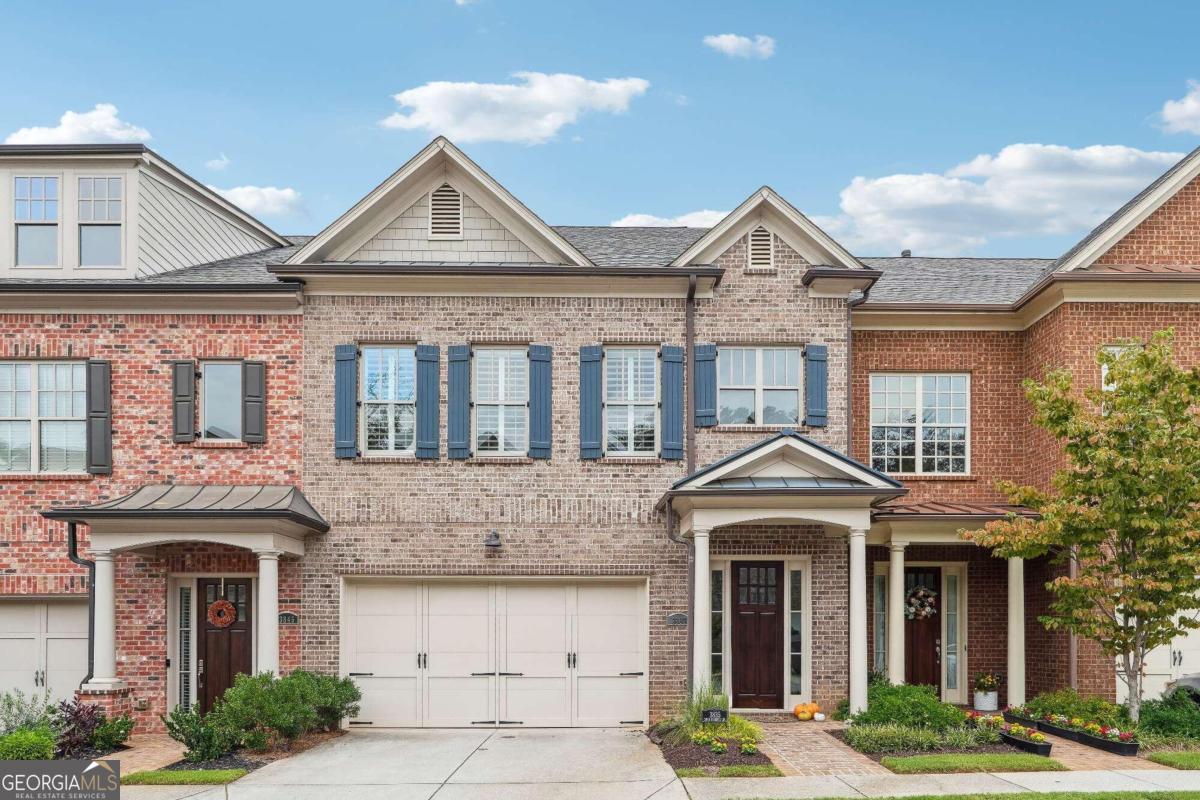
pixel 1054 730
pixel 1037 748
pixel 1117 748
pixel 1017 719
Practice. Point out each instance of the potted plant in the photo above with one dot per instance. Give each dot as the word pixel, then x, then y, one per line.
pixel 1025 738
pixel 987 691
pixel 1114 740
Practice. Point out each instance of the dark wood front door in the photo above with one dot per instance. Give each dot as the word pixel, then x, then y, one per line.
pixel 923 637
pixel 757 606
pixel 222 652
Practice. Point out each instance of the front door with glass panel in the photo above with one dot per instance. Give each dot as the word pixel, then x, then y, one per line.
pixel 757 606
pixel 224 644
pixel 923 626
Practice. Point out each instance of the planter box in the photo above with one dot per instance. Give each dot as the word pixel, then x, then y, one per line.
pixel 1054 730
pixel 1037 748
pixel 987 701
pixel 1117 748
pixel 1017 719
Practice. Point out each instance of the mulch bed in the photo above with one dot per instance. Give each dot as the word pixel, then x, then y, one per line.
pixel 693 755
pixel 249 761
pixel 999 747
pixel 91 753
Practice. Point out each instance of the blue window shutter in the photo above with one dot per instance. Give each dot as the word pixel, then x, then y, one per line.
pixel 428 397
pixel 591 415
pixel 458 401
pixel 816 385
pixel 704 398
pixel 672 402
pixel 540 399
pixel 345 400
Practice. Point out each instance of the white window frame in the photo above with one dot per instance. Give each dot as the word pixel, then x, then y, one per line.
pixel 919 424
pixel 118 224
pixel 57 224
pixel 656 404
pixel 501 404
pixel 35 419
pixel 759 388
pixel 200 396
pixel 362 399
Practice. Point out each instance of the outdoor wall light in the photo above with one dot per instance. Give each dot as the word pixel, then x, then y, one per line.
pixel 492 539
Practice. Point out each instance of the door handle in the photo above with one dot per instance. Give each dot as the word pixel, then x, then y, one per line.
pixel 35 678
pixel 486 674
pixel 361 674
pixel 510 674
pixel 624 674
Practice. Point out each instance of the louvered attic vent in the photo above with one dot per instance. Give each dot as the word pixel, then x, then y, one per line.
pixel 445 213
pixel 761 249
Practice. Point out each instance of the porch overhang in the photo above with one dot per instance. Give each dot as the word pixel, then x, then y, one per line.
pixel 261 518
pixel 934 522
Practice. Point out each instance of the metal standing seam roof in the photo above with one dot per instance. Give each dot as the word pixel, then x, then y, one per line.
pixel 209 501
pixel 950 510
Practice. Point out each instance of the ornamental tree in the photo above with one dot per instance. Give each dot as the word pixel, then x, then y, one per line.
pixel 1126 507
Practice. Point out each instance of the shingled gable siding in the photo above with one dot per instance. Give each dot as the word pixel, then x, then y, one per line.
pixel 562 516
pixel 1171 235
pixel 33 551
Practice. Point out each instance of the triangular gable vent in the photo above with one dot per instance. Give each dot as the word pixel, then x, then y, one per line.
pixel 445 213
pixel 761 249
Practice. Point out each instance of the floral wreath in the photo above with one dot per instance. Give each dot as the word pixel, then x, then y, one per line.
pixel 222 614
pixel 921 603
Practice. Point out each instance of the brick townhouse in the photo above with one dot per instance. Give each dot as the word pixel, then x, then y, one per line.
pixel 506 473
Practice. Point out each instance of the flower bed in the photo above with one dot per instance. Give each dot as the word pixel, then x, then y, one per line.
pixel 31 729
pixel 689 744
pixel 1061 725
pixel 1114 740
pixel 1019 715
pixel 1024 738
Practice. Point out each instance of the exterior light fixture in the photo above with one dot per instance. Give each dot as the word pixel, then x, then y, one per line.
pixel 492 539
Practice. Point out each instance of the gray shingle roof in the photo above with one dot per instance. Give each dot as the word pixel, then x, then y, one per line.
pixel 970 281
pixel 608 246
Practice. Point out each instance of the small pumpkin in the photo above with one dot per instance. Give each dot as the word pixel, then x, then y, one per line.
pixel 804 715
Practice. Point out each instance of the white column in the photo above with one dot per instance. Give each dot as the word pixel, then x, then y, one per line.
pixel 701 613
pixel 104 637
pixel 1016 631
pixel 268 611
pixel 858 620
pixel 895 614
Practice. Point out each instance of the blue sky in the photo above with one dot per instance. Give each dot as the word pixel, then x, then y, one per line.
pixel 949 128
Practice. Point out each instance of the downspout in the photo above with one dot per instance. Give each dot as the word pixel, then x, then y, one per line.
pixel 689 336
pixel 73 554
pixel 850 305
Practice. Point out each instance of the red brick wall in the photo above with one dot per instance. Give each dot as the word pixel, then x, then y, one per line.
pixel 1171 235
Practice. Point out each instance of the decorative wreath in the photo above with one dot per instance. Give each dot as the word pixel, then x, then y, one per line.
pixel 222 614
pixel 921 603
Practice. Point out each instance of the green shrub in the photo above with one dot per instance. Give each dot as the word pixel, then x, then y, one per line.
pixel 18 711
pixel 686 722
pixel 913 706
pixel 74 723
pixel 28 744
pixel 112 733
pixel 205 738
pixel 891 738
pixel 334 699
pixel 281 708
pixel 1070 703
pixel 968 738
pixel 1178 714
pixel 1151 742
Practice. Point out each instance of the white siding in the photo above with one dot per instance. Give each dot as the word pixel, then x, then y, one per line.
pixel 406 238
pixel 175 231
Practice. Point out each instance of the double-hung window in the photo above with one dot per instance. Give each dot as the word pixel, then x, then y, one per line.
pixel 631 401
pixel 221 400
pixel 920 424
pixel 389 387
pixel 758 385
pixel 36 214
pixel 501 400
pixel 100 215
pixel 43 407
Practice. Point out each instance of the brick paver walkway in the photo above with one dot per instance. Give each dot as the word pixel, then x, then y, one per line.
pixel 1076 756
pixel 805 748
pixel 148 751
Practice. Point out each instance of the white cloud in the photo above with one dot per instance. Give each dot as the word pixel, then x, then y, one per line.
pixel 531 111
pixel 731 44
pixel 219 163
pixel 1183 115
pixel 692 219
pixel 1024 190
pixel 98 126
pixel 268 201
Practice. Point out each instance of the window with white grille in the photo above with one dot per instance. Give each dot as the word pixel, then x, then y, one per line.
pixel 445 213
pixel 501 400
pixel 762 249
pixel 631 401
pixel 42 413
pixel 920 423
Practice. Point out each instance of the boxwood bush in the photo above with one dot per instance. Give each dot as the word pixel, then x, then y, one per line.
pixel 911 706
pixel 28 744
pixel 1177 714
pixel 893 738
pixel 1070 703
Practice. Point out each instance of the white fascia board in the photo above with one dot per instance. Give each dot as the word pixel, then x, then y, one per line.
pixel 839 468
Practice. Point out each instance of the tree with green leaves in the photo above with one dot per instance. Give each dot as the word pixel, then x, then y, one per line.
pixel 1126 507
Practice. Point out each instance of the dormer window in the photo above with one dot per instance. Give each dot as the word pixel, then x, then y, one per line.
pixel 100 222
pixel 35 212
pixel 445 213
pixel 762 249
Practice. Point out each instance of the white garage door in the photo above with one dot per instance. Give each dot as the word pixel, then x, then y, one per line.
pixel 1165 664
pixel 44 646
pixel 532 653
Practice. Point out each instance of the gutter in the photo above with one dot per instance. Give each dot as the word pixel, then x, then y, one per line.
pixel 84 515
pixel 149 288
pixel 73 554
pixel 375 269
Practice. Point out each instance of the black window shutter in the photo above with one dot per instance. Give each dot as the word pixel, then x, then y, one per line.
pixel 591 413
pixel 99 417
pixel 183 401
pixel 540 401
pixel 672 402
pixel 345 400
pixel 704 398
pixel 428 399
pixel 458 401
pixel 816 385
pixel 254 402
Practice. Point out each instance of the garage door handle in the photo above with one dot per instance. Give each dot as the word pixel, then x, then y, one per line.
pixel 361 674
pixel 511 674
pixel 623 674
pixel 482 674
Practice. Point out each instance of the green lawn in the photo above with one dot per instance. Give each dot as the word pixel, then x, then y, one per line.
pixel 733 771
pixel 971 762
pixel 1176 759
pixel 182 777
pixel 691 772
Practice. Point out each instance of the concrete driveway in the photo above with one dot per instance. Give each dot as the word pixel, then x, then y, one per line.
pixel 607 764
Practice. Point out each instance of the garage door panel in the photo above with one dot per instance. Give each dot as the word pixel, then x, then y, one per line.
pixel 67 665
pixel 456 700
pixel 602 701
pixel 67 618
pixel 19 663
pixel 43 636
pixel 389 701
pixel 609 632
pixel 537 701
pixel 17 617
pixel 387 600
